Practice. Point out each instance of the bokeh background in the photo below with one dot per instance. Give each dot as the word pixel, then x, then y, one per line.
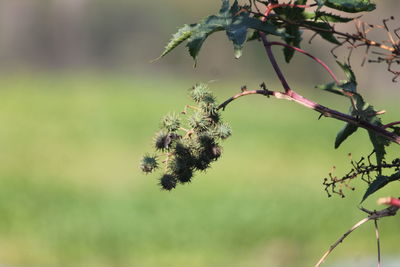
pixel 80 102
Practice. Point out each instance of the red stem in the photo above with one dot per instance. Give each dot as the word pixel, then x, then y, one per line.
pixel 311 56
pixel 391 124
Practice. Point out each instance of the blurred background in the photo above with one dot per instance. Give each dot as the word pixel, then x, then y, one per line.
pixel 80 102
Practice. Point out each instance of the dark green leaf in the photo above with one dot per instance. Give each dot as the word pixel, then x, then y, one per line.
pixel 293 40
pixel 324 16
pixel 331 87
pixel 323 29
pixel 183 33
pixel 350 6
pixel 379 142
pixel 348 72
pixel 233 20
pixel 377 184
pixel 345 132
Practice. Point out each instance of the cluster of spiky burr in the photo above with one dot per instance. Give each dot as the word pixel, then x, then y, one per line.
pixel 189 142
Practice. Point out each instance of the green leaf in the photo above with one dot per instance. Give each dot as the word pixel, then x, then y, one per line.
pixel 350 6
pixel 324 16
pixel 348 72
pixel 345 132
pixel 377 184
pixel 293 40
pixel 379 142
pixel 324 30
pixel 234 20
pixel 331 87
pixel 183 33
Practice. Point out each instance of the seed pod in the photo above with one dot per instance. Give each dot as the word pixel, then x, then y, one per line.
pixel 206 141
pixel 148 164
pixel 222 131
pixel 198 122
pixel 199 92
pixel 171 122
pixel 215 152
pixel 162 140
pixel 168 182
pixel 202 161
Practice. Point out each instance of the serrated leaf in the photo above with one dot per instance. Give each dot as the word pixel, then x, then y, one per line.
pixel 293 40
pixel 379 142
pixel 183 33
pixel 324 30
pixel 331 87
pixel 377 184
pixel 351 77
pixel 234 20
pixel 350 6
pixel 328 17
pixel 345 132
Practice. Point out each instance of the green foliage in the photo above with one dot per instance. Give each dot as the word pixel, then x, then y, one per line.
pixel 198 147
pixel 148 164
pixel 326 17
pixel 234 20
pixel 350 6
pixel 380 182
pixel 171 122
pixel 345 132
pixel 193 149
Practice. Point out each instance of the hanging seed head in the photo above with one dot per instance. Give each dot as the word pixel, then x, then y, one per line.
pixel 199 92
pixel 148 164
pixel 168 182
pixel 162 141
pixel 171 122
pixel 223 131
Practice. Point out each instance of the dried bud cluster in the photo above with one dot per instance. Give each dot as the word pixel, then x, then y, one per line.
pixel 188 150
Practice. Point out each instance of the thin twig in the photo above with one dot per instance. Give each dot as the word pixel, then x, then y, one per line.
pixel 340 240
pixel 311 56
pixel 378 242
pixel 373 215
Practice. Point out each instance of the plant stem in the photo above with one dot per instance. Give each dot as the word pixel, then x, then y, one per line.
pixel 373 215
pixel 325 66
pixel 327 112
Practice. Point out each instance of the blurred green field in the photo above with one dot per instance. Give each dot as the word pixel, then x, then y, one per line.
pixel 72 194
